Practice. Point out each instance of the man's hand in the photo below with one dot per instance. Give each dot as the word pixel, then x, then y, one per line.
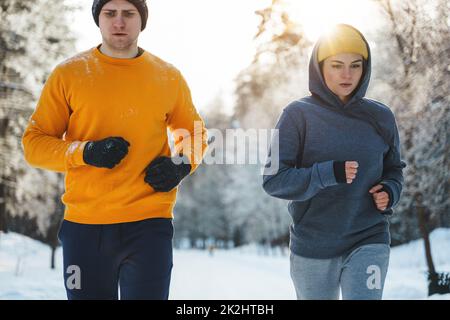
pixel 162 174
pixel 106 153
pixel 381 198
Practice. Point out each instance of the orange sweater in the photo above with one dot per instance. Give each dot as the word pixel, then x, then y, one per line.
pixel 93 96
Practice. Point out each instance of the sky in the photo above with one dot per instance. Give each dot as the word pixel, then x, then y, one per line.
pixel 211 41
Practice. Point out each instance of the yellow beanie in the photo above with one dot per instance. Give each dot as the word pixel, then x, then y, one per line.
pixel 342 39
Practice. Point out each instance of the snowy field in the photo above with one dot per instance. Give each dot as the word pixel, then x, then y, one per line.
pixel 233 274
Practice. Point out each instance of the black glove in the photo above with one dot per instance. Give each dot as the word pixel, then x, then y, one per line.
pixel 105 153
pixel 162 174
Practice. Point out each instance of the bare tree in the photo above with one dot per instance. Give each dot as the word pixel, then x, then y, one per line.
pixel 272 79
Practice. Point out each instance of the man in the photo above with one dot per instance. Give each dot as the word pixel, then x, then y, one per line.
pixel 102 119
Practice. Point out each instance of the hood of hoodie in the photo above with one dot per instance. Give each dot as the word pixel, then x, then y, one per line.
pixel 318 87
pixel 371 111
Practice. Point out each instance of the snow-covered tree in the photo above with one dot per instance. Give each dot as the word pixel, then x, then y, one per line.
pixel 201 214
pixel 276 75
pixel 274 78
pixel 34 37
pixel 419 91
pixel 414 79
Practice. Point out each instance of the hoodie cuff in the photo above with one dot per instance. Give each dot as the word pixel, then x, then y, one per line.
pixel 326 173
pixel 339 171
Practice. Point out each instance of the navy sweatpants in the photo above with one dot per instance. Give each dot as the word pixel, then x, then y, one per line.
pixel 134 256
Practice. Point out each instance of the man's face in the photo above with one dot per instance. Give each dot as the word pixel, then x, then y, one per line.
pixel 120 24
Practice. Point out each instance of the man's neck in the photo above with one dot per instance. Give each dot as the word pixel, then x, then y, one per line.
pixel 122 54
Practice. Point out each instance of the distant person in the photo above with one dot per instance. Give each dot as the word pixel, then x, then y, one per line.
pixel 341 169
pixel 211 249
pixel 102 120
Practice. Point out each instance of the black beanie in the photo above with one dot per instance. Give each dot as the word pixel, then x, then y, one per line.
pixel 140 5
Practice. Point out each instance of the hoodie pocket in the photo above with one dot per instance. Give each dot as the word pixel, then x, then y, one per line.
pixel 338 217
pixel 298 209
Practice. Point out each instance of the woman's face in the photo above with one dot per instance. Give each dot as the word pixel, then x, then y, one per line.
pixel 342 73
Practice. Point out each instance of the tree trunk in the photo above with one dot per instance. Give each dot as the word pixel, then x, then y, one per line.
pixel 52 259
pixel 3 216
pixel 423 219
pixel 437 282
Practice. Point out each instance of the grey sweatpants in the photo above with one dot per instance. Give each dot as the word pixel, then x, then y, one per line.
pixel 360 275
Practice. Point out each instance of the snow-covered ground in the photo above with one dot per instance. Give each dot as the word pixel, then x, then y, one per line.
pixel 234 274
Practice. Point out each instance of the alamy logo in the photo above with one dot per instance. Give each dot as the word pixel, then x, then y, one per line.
pixel 374 280
pixel 74 280
pixel 231 146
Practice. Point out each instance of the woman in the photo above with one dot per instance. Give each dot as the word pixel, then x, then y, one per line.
pixel 339 165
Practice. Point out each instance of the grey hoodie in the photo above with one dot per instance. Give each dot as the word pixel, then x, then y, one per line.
pixel 331 218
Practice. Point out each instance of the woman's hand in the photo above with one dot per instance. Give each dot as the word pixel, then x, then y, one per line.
pixel 351 168
pixel 381 198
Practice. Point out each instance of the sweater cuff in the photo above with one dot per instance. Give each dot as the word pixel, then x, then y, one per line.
pixel 326 173
pixel 74 154
pixel 339 171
